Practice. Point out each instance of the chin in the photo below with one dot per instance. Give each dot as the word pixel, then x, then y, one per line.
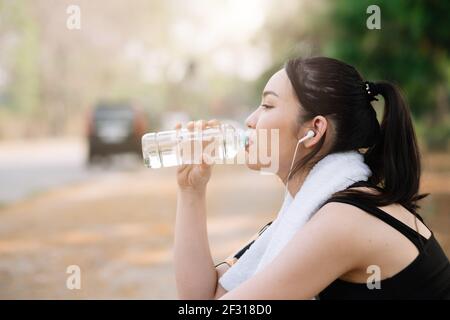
pixel 260 167
pixel 253 166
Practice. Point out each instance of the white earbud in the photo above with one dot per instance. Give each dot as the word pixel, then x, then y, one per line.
pixel 308 135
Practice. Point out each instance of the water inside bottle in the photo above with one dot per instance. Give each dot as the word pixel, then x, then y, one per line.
pixel 172 148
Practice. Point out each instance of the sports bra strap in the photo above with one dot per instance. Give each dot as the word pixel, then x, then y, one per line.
pixel 416 238
pixel 363 183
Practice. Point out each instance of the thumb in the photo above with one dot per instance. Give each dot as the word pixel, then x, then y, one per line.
pixel 207 161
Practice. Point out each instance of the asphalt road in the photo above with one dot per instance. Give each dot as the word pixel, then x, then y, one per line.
pixel 30 168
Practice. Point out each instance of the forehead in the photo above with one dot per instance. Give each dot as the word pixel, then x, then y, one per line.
pixel 280 84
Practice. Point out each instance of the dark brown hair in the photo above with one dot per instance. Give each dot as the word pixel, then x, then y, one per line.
pixel 336 90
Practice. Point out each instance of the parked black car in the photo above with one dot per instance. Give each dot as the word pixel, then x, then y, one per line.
pixel 115 128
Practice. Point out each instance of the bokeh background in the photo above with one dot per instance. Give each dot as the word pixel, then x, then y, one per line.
pixel 64 202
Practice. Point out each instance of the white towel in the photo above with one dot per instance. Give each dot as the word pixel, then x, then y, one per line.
pixel 333 173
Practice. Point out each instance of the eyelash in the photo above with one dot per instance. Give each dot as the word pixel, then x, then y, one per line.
pixel 265 106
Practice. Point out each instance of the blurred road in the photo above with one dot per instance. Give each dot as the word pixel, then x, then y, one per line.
pixel 29 168
pixel 117 223
pixel 119 230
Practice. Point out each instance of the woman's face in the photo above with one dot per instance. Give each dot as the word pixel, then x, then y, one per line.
pixel 279 111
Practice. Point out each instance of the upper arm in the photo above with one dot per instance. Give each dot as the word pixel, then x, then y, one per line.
pixel 322 251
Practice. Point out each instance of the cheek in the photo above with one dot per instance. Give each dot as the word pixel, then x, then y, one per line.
pixel 287 153
pixel 268 126
pixel 274 119
pixel 285 128
pixel 266 121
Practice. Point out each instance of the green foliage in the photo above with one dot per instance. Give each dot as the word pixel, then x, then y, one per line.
pixel 411 48
pixel 438 136
pixel 24 91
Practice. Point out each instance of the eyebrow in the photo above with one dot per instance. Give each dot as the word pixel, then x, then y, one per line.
pixel 265 93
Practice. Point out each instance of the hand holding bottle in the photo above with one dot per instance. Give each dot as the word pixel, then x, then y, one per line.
pixel 194 177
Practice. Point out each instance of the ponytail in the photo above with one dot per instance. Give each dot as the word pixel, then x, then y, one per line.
pixel 395 158
pixel 336 90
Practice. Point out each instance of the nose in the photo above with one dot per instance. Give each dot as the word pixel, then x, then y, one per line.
pixel 251 121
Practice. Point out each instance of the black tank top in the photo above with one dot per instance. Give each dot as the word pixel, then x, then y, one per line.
pixel 426 277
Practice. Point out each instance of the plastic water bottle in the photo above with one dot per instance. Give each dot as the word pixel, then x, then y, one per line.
pixel 177 147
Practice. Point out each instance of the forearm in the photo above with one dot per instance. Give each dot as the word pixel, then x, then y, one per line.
pixel 195 273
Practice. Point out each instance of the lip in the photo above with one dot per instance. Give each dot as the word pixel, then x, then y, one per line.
pixel 250 142
pixel 247 147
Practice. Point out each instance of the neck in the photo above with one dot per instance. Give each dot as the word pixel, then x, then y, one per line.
pixel 296 182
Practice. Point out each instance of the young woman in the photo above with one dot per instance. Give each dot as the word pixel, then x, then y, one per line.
pixel 369 223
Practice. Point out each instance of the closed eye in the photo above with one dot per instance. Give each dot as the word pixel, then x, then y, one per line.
pixel 266 106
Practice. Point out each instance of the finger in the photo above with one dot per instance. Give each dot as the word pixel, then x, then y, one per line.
pixel 206 161
pixel 181 168
pixel 190 125
pixel 213 123
pixel 200 124
pixel 199 127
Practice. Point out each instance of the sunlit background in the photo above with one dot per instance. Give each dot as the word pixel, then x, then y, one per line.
pixel 69 195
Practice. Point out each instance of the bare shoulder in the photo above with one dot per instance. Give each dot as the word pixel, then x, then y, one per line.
pixel 349 222
pixel 373 240
pixel 340 221
pixel 366 222
pixel 353 219
pixel 339 212
pixel 355 234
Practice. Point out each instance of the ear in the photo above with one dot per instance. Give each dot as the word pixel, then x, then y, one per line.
pixel 319 125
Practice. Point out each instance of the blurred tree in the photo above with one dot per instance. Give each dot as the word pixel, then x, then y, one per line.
pixel 294 28
pixel 411 49
pixel 24 93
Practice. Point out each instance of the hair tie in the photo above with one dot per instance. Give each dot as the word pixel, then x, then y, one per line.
pixel 371 90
